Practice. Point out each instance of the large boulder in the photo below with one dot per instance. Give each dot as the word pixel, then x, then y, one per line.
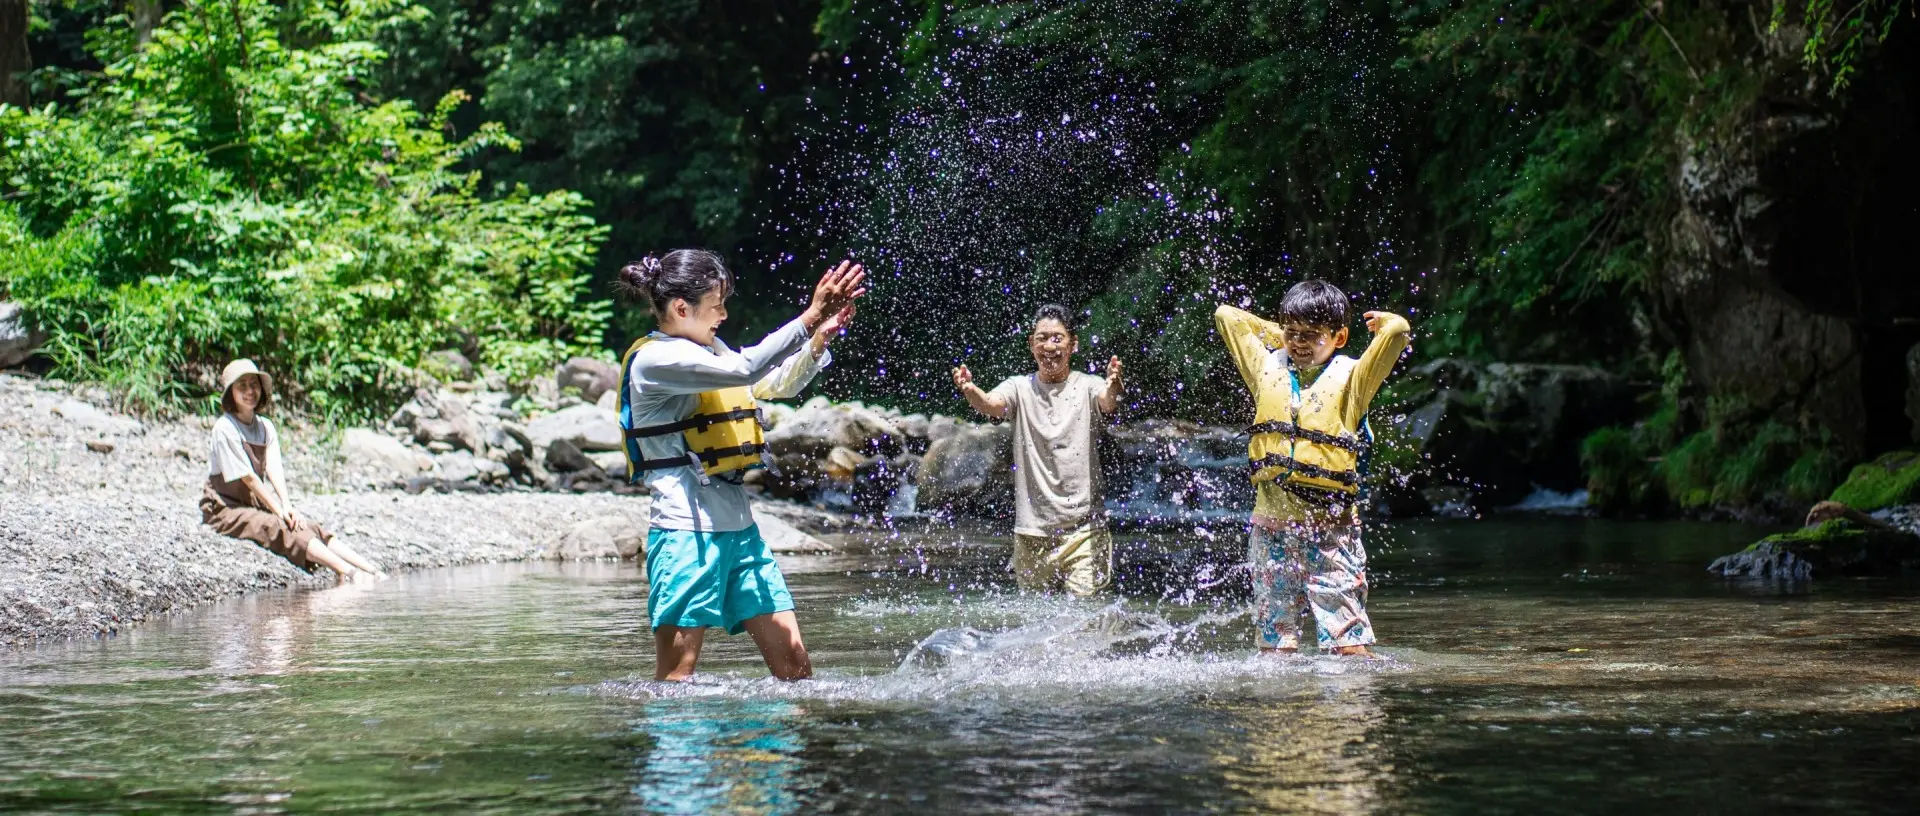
pixel 588 427
pixel 440 417
pixel 785 538
pixel 1836 547
pixel 969 472
pixel 377 451
pixel 564 457
pixel 448 365
pixel 1913 390
pixel 819 426
pixel 18 340
pixel 587 375
pixel 600 538
pixel 1504 428
pixel 463 466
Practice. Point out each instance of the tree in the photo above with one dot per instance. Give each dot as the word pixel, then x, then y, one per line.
pixel 15 61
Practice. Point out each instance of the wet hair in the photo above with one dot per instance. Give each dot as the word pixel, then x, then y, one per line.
pixel 683 274
pixel 228 405
pixel 1315 303
pixel 1055 311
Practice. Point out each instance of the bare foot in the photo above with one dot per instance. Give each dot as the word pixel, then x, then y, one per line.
pixel 1285 650
pixel 1355 651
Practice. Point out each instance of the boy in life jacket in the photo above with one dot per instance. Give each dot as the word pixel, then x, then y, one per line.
pixel 1308 439
pixel 692 430
pixel 1060 536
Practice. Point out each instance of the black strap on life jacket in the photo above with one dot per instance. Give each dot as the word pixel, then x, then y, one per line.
pixel 1345 477
pixel 1289 429
pixel 695 422
pixel 1335 501
pixel 702 458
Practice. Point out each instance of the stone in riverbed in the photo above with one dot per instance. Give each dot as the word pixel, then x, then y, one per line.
pixel 588 427
pixel 93 419
pixel 785 538
pixel 563 457
pixel 601 538
pixel 820 426
pixel 970 471
pixel 1832 548
pixel 370 448
pixel 463 466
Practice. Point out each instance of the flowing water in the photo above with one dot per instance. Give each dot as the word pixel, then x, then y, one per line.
pixel 1559 665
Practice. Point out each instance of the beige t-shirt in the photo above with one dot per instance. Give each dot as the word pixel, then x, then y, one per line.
pixel 1056 465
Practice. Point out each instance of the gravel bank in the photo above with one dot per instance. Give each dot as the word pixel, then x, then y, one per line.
pixel 96 539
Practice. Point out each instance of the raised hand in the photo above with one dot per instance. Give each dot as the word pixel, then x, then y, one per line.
pixel 1373 321
pixel 832 328
pixel 1114 369
pixel 836 291
pixel 962 378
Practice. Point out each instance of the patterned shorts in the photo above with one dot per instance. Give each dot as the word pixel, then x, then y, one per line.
pixel 1300 567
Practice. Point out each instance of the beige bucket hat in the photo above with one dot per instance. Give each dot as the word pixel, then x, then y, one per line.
pixel 244 368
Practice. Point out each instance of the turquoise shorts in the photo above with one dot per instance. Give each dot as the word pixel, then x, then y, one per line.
pixel 696 580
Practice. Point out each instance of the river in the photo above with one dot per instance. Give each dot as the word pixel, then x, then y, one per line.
pixel 1532 664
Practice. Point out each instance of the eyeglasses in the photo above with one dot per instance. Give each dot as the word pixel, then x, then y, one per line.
pixel 1049 338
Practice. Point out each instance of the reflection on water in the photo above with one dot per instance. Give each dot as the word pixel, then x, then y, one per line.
pixel 720 756
pixel 1558 665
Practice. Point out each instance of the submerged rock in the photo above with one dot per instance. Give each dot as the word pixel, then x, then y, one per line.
pixel 1892 479
pixel 1839 546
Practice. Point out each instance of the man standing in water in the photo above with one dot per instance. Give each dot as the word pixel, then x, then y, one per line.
pixel 1060 532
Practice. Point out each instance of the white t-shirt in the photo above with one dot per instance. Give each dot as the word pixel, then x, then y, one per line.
pixel 228 458
pixel 664 380
pixel 1056 463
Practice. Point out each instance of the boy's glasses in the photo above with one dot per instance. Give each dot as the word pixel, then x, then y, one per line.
pixel 1049 338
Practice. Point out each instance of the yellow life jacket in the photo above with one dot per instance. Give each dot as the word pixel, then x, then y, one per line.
pixel 1300 439
pixel 723 433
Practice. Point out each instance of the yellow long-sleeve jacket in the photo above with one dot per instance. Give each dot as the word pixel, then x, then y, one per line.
pixel 1257 344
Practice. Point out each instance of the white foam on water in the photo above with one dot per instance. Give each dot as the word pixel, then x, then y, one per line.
pixel 1072 657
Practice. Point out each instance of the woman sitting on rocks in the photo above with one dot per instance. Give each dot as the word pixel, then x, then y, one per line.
pixel 246 493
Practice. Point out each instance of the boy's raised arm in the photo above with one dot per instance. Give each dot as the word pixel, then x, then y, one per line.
pixel 1391 334
pixel 1249 340
pixel 981 401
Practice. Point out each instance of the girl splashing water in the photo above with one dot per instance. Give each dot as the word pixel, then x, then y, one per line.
pixel 687 409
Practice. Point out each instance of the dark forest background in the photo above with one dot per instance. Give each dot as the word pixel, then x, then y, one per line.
pixel 1712 199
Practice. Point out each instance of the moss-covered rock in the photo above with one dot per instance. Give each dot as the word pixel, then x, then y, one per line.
pixel 1834 547
pixel 1892 479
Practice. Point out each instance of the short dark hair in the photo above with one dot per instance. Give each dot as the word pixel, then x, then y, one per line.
pixel 1055 311
pixel 683 274
pixel 1315 303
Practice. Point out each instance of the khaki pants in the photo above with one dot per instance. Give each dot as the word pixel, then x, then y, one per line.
pixel 1080 562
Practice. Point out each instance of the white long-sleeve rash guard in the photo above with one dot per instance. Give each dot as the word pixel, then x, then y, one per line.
pixel 664 378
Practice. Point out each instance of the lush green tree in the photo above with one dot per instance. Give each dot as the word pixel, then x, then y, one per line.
pixel 230 188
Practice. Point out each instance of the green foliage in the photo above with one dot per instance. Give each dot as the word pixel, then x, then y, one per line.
pixel 1892 479
pixel 1835 41
pixel 229 189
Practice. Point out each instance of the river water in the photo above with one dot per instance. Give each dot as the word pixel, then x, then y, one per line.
pixel 1533 664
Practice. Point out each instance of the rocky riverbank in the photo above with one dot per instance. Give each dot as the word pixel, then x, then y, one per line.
pixel 99 527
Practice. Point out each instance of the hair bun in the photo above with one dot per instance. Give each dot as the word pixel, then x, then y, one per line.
pixel 640 276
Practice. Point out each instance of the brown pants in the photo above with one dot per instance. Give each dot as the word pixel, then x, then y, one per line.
pixel 262 528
